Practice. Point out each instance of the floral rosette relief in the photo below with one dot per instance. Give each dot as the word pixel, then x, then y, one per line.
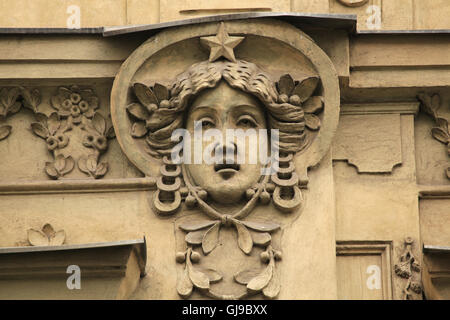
pixel 75 110
pixel 75 133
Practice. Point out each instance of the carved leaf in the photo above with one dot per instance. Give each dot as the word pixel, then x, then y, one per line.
pixel 60 163
pixel 93 102
pixel 51 171
pixel 261 239
pixel 353 3
pixel 65 92
pixel 211 238
pixel 138 130
pixel 286 84
pixel 448 171
pixel 138 111
pixel 58 238
pixel 53 123
pixel 312 121
pixel 31 99
pixel 184 285
pixel 213 275
pixel 39 130
pixel 5 131
pixel 265 226
pixel 110 134
pixel 443 124
pixel 82 165
pixel 37 238
pixel 195 237
pixel 15 108
pixel 313 105
pixel 41 117
pixel 91 163
pixel 273 288
pixel 435 102
pixel 101 170
pixel 306 88
pixel 244 277
pixel 262 280
pixel 194 225
pixel 161 92
pixel 99 123
pixel 426 103
pixel 245 241
pixel 9 97
pixel 199 279
pixel 440 135
pixel 69 164
pixel 48 230
pixel 144 94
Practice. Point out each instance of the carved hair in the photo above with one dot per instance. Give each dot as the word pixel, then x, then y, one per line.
pixel 243 75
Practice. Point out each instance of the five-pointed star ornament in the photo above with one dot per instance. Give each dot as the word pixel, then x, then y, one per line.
pixel 221 45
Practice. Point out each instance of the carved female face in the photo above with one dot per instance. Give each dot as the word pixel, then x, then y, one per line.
pixel 223 108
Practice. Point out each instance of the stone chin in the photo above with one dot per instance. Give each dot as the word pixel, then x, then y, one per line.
pixel 224 184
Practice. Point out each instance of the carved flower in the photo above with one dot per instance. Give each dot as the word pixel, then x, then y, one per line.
pixel 51 130
pixel 150 98
pixel 299 93
pixel 46 237
pixel 74 103
pixel 97 134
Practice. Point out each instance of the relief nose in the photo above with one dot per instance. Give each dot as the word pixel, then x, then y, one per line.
pixel 228 152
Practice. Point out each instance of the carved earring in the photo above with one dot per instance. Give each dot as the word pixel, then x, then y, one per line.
pixel 167 198
pixel 286 195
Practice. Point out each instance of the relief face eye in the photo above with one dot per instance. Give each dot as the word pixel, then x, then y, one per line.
pixel 207 123
pixel 246 121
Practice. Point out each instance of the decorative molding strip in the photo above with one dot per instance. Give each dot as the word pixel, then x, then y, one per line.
pixel 434 192
pixel 95 259
pixel 77 186
pixel 436 272
pixel 435 249
pixel 380 108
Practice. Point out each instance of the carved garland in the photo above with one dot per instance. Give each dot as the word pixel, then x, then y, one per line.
pixel 431 105
pixel 74 107
pixel 409 269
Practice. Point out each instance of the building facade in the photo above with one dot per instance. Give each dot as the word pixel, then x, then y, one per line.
pixel 118 180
